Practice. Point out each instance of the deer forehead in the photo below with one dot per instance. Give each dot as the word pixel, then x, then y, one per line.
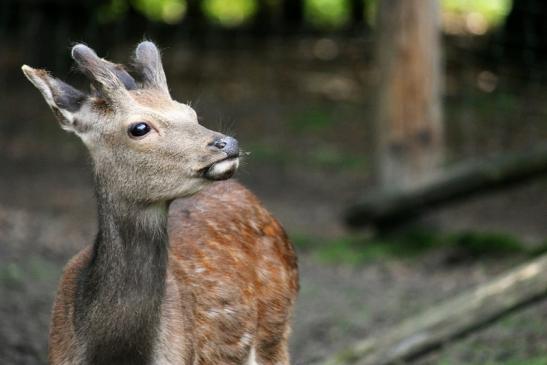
pixel 161 108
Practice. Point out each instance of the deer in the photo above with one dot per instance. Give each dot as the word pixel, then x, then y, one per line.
pixel 187 266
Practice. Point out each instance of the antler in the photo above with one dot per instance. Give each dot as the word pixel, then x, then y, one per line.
pixel 111 80
pixel 148 62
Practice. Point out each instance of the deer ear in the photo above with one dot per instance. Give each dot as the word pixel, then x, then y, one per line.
pixel 63 99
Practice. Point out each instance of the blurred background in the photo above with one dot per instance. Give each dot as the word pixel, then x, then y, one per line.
pixel 402 144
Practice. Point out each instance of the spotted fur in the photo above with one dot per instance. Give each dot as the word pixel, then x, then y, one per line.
pixel 182 271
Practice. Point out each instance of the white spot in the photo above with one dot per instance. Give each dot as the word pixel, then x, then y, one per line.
pixel 229 310
pixel 252 357
pixel 213 313
pixel 246 339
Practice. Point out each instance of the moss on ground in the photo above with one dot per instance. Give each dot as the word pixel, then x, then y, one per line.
pixel 359 249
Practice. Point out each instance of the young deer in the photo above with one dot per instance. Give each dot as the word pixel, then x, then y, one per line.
pixel 213 283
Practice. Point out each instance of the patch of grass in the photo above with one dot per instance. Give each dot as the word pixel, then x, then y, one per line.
pixel 343 250
pixel 358 249
pixel 494 11
pixel 484 244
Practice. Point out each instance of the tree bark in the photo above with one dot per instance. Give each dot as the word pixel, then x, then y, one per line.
pixel 449 320
pixel 387 209
pixel 409 122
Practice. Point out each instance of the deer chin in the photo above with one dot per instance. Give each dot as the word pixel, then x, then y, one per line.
pixel 222 170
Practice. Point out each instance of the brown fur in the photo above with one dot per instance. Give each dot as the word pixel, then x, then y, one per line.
pixel 213 282
pixel 234 273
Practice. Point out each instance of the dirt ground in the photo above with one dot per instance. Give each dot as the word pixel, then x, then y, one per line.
pixel 305 175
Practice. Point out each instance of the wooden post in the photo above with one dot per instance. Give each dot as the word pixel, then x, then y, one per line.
pixel 409 121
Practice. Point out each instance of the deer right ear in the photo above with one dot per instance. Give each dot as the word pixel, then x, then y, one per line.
pixel 63 99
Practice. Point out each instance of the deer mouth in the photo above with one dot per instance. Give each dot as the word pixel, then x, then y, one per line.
pixel 222 170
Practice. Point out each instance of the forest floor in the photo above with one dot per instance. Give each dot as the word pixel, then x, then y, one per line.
pixel 309 159
pixel 349 290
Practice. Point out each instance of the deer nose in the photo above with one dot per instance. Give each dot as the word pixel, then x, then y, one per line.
pixel 228 145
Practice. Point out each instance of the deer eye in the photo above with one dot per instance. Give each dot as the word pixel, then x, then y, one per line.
pixel 138 129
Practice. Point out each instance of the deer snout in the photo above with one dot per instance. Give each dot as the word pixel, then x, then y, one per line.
pixel 226 167
pixel 228 145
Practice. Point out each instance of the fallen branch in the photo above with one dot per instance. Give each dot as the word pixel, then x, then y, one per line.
pixel 451 319
pixel 387 209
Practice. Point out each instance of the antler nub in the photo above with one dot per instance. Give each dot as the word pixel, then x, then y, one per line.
pixel 101 72
pixel 148 63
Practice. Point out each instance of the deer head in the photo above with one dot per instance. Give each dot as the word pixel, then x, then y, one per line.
pixel 146 147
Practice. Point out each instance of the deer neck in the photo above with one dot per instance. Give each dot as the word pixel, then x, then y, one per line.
pixel 120 293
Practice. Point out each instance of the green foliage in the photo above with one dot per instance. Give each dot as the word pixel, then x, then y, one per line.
pixel 320 14
pixel 357 249
pixel 167 11
pixel 482 244
pixel 345 250
pixel 494 11
pixel 112 11
pixel 329 14
pixel 370 12
pixel 230 13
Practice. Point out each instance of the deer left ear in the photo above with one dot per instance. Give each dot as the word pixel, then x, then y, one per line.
pixel 63 99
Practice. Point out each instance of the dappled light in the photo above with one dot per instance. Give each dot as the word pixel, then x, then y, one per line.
pixel 327 13
pixel 230 13
pixel 168 11
pixel 459 16
pixel 474 17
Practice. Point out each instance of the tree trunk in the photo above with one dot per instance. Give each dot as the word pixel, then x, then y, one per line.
pixel 409 122
pixel 451 319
